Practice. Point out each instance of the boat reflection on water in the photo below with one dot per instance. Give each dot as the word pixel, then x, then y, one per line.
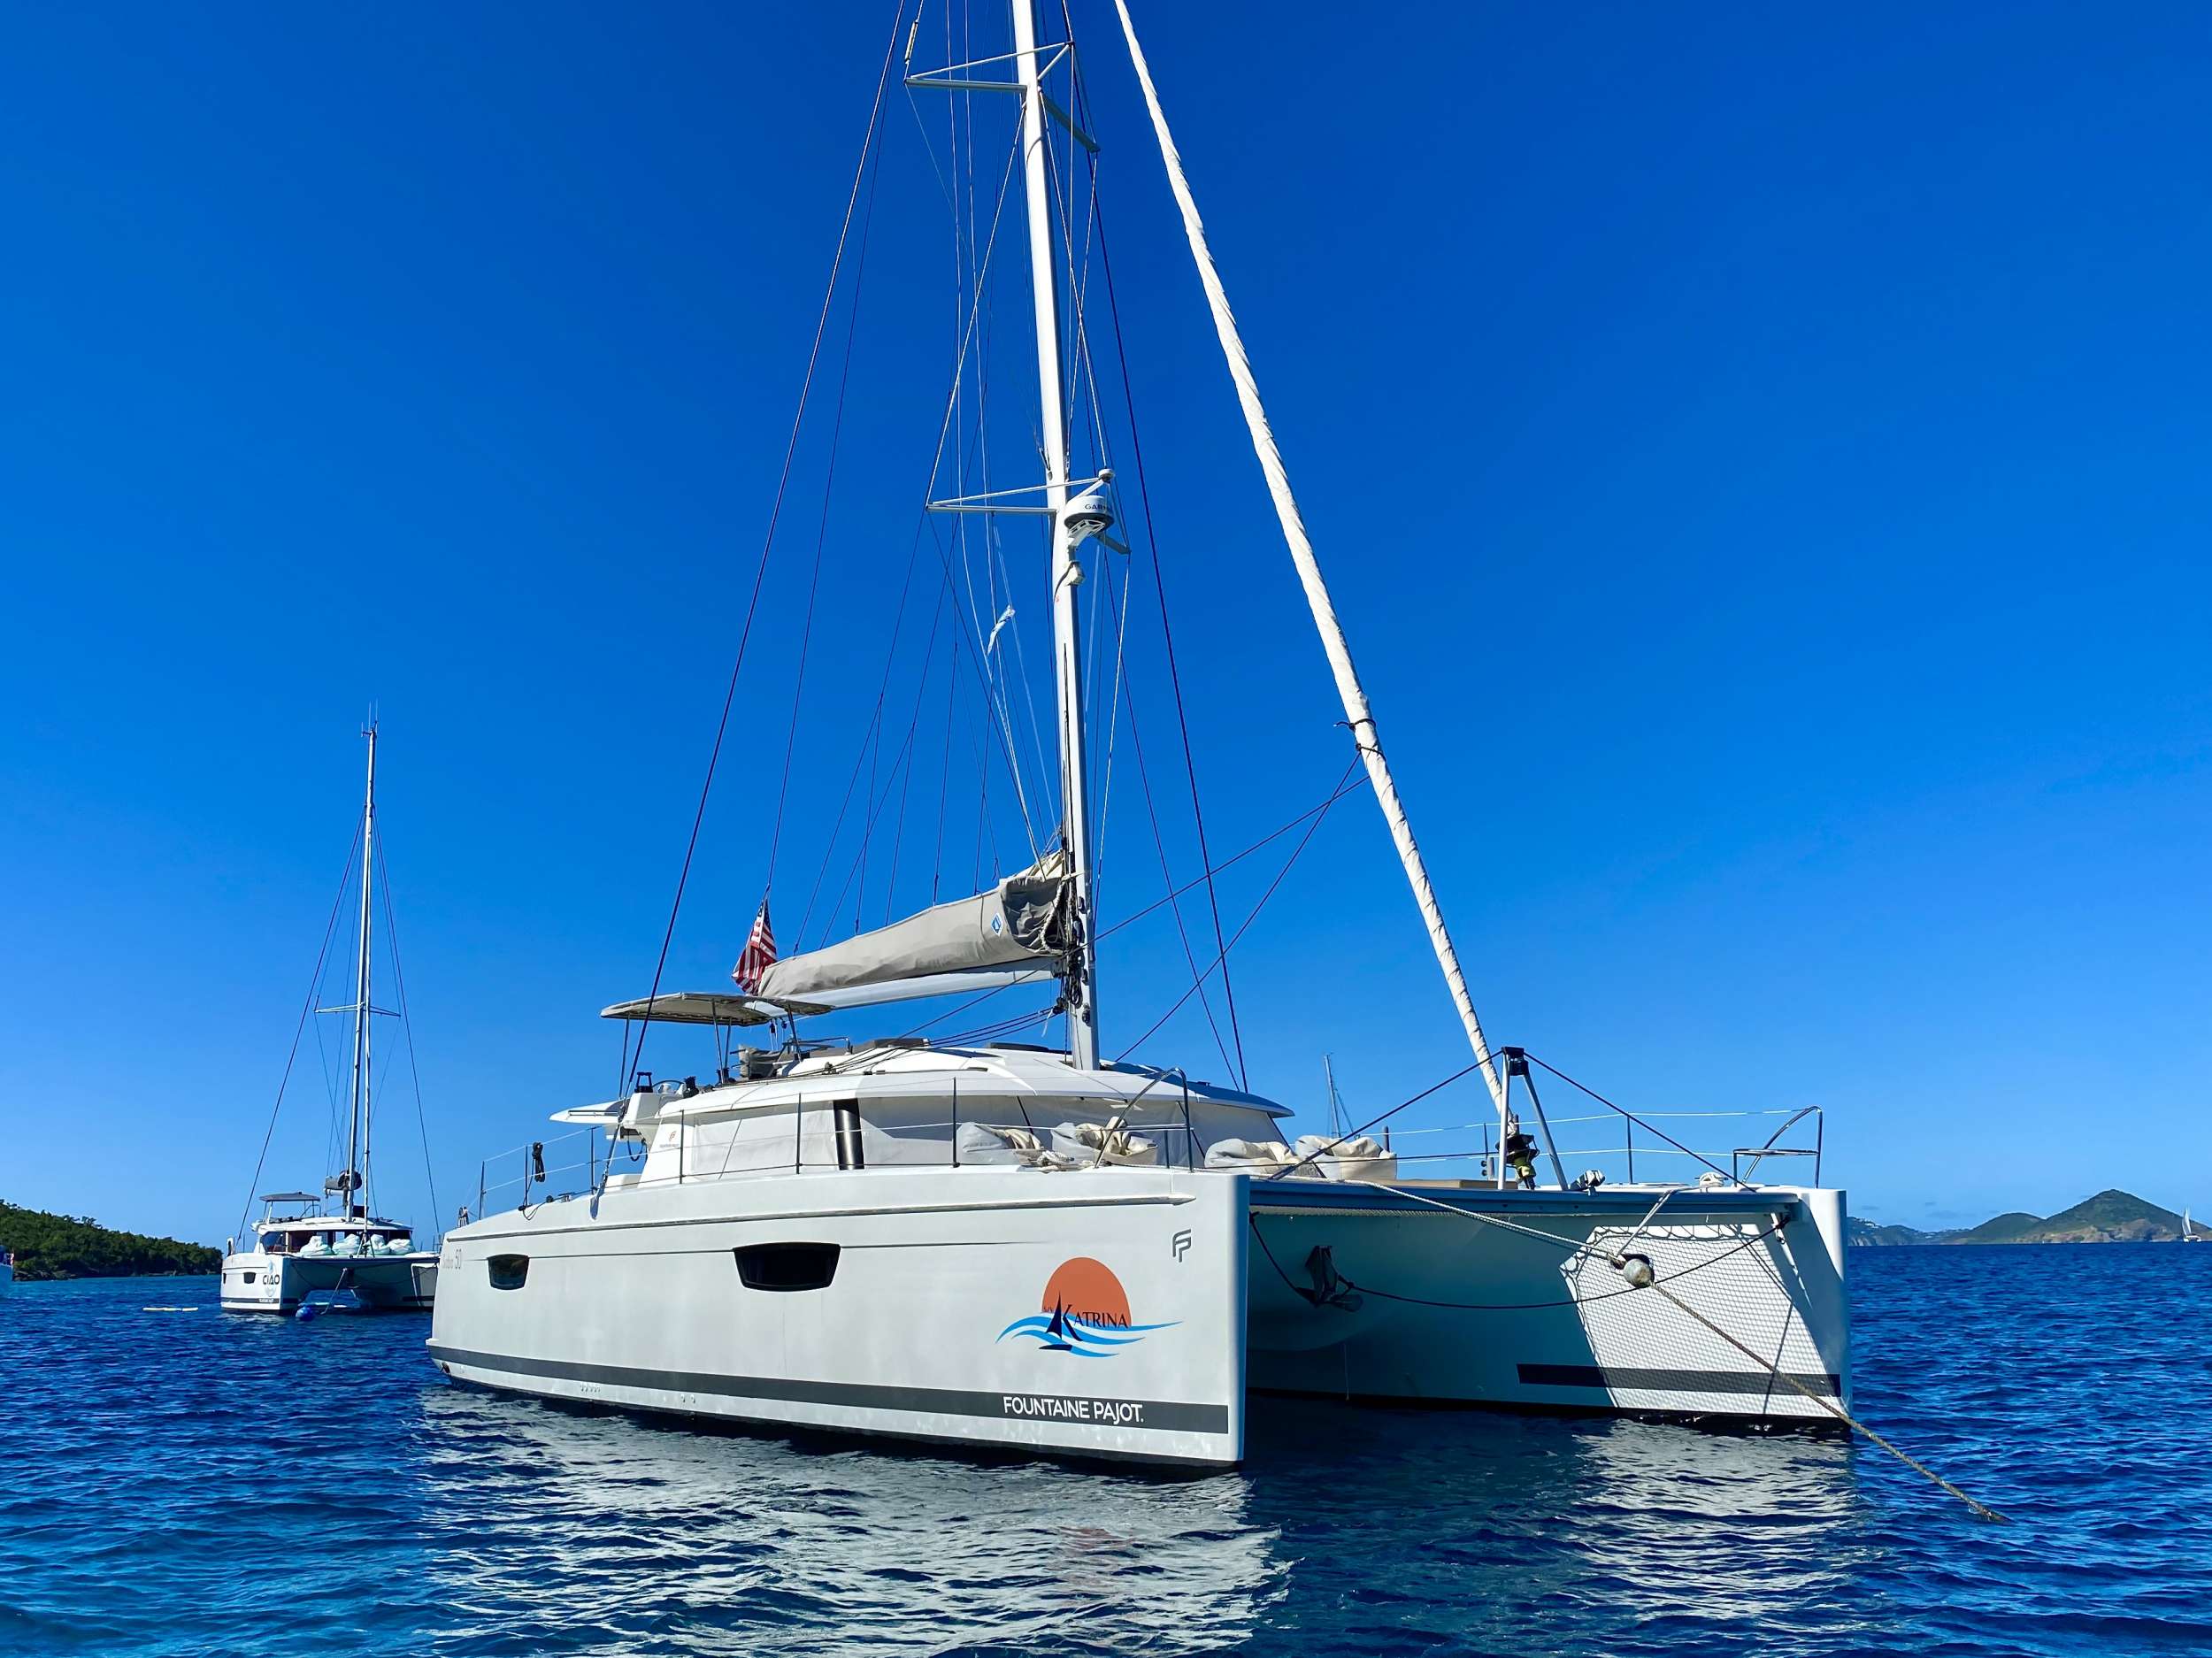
pixel 549 1523
pixel 552 1526
pixel 1491 1529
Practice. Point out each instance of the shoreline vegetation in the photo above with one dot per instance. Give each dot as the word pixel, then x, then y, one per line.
pixel 49 1246
pixel 2111 1217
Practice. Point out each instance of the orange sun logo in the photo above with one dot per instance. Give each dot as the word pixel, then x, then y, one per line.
pixel 1087 1289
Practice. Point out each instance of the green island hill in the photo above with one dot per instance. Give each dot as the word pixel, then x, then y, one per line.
pixel 59 1246
pixel 2111 1217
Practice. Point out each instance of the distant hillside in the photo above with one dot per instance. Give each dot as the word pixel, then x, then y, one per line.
pixel 56 1247
pixel 2111 1217
pixel 2012 1227
pixel 1858 1230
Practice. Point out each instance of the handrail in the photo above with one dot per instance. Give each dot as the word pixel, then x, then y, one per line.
pixel 543 1166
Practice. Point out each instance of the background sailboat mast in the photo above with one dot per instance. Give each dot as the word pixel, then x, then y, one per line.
pixel 1082 981
pixel 1353 695
pixel 361 1051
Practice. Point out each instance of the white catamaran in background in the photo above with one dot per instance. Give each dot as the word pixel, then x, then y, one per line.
pixel 303 1257
pixel 1045 1248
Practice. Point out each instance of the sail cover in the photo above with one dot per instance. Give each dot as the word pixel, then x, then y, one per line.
pixel 1022 922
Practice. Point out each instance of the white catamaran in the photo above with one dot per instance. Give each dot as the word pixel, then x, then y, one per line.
pixel 301 1257
pixel 1040 1247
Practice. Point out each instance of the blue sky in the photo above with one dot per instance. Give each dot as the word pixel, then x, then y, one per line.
pixel 1760 458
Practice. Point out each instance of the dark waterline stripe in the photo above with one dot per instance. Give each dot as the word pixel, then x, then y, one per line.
pixel 1616 1375
pixel 1163 1416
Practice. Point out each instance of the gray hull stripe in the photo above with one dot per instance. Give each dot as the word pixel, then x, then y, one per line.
pixel 1081 1409
pixel 1619 1377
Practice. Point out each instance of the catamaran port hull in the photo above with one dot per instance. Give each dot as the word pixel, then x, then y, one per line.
pixel 1096 1317
pixel 1126 1313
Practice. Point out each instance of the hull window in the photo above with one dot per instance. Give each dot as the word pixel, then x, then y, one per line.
pixel 847 1113
pixel 249 1278
pixel 783 1267
pixel 509 1272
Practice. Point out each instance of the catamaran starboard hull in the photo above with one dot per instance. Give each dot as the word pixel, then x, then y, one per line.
pixel 1463 1294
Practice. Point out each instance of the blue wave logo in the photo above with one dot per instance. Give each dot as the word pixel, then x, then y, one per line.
pixel 1085 1312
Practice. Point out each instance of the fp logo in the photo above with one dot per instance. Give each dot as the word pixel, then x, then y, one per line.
pixel 1179 1245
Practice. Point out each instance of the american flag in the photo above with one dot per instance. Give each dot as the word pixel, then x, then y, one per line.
pixel 759 954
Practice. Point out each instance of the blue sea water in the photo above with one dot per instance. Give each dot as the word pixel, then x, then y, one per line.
pixel 194 1483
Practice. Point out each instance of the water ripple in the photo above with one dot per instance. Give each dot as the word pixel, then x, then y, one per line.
pixel 188 1483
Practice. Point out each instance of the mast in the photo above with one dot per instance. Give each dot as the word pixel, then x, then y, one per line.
pixel 1358 715
pixel 356 1115
pixel 1081 985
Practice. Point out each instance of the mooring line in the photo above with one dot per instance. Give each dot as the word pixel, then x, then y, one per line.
pixel 1643 1276
pixel 1833 1409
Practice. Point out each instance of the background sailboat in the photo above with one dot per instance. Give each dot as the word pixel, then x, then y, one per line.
pixel 312 1250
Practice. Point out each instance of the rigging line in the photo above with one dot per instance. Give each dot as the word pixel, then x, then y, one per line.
pixel 314 994
pixel 1001 728
pixel 1830 1406
pixel 975 305
pixel 867 833
pixel 1167 875
pixel 1304 842
pixel 977 312
pixel 875 722
pixel 875 812
pixel 1633 1117
pixel 953 1012
pixel 898 835
pixel 1078 344
pixel 1252 1218
pixel 760 571
pixel 821 529
pixel 1167 631
pixel 994 549
pixel 944 770
pixel 955 105
pixel 1349 787
pixel 883 688
pixel 1113 720
pixel 1383 1117
pixel 407 1029
pixel 984 1034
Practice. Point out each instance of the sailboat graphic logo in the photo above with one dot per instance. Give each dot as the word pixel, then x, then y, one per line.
pixel 1085 1312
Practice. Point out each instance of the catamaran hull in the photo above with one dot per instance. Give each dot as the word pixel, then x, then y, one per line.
pixel 1449 1296
pixel 1087 1316
pixel 1125 1313
pixel 278 1283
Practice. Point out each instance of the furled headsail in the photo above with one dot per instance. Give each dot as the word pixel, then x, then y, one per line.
pixel 1025 922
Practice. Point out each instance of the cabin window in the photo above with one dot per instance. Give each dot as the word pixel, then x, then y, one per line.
pixel 249 1278
pixel 847 1115
pixel 784 1267
pixel 508 1272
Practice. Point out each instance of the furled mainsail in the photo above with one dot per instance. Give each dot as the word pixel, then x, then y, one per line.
pixel 1022 921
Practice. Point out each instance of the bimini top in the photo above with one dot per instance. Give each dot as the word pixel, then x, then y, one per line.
pixel 291 1197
